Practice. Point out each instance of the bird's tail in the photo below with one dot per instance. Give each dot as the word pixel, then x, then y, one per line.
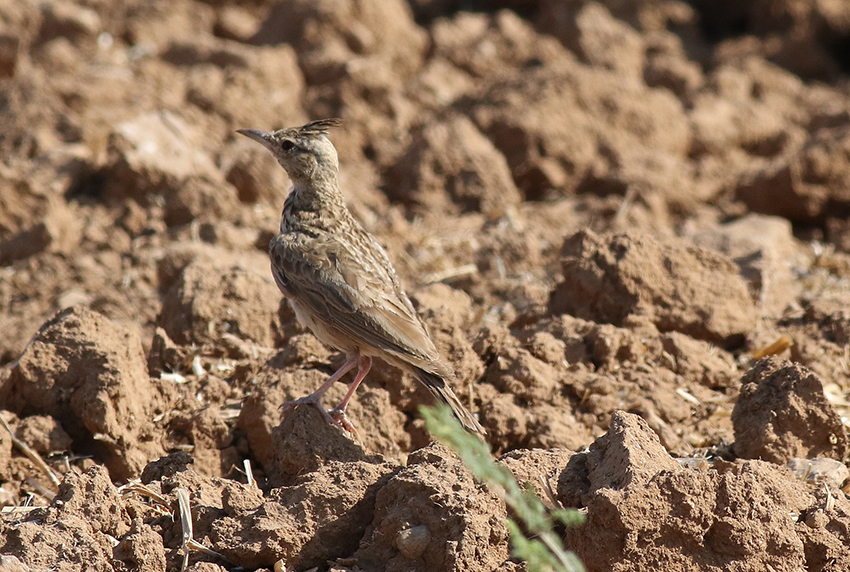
pixel 437 385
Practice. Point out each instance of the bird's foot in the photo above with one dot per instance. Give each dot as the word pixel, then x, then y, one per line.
pixel 335 416
pixel 312 399
pixel 341 420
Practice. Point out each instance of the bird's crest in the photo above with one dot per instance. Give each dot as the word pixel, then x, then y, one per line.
pixel 319 127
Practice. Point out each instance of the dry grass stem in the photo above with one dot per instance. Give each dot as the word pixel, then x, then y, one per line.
pixel 33 456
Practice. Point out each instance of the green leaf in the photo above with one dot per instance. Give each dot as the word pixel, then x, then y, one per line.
pixel 544 552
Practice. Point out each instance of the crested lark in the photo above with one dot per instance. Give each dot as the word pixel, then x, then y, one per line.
pixel 339 280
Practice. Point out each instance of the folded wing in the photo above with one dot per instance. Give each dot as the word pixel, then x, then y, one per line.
pixel 351 286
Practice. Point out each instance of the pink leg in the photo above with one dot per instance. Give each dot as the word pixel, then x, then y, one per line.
pixel 346 367
pixel 338 412
pixel 315 398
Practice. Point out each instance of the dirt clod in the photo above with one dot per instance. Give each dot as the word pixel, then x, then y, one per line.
pixel 465 522
pixel 678 287
pixel 304 441
pixel 141 549
pixel 208 302
pixel 743 514
pixel 782 413
pixel 321 516
pixel 43 433
pixel 629 452
pixel 90 371
pixel 452 159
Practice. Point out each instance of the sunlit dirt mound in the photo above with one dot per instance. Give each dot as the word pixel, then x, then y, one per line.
pixel 625 224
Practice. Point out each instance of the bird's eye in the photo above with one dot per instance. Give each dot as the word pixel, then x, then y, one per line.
pixel 287 145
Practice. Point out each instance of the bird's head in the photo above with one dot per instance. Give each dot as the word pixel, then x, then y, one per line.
pixel 303 151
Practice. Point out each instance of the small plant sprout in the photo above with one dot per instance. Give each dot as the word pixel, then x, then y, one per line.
pixel 540 548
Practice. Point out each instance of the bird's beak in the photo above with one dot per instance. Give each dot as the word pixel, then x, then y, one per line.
pixel 260 137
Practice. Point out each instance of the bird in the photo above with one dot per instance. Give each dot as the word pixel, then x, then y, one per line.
pixel 339 280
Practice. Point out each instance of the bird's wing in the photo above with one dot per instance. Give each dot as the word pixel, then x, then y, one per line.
pixel 351 286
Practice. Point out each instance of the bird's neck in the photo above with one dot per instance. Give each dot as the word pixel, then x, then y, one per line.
pixel 313 203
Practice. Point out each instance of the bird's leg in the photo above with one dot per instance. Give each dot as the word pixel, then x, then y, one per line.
pixel 315 398
pixel 338 412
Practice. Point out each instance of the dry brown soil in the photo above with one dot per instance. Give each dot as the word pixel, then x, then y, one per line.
pixel 603 210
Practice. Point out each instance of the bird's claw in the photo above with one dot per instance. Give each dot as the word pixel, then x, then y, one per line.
pixel 316 402
pixel 335 416
pixel 341 420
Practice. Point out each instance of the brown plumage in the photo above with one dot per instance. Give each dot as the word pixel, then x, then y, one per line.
pixel 339 280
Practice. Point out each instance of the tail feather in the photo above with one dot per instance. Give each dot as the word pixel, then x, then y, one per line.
pixel 438 386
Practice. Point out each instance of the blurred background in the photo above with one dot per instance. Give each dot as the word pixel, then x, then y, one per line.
pixel 520 120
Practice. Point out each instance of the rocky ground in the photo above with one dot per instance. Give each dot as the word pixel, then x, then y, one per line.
pixel 624 222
